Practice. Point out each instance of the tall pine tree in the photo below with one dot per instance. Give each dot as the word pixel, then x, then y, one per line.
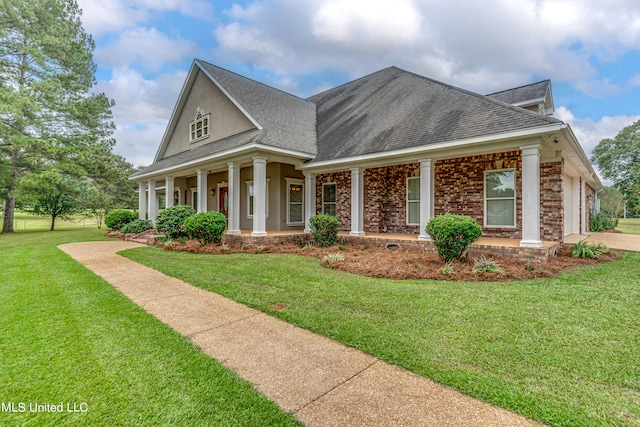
pixel 48 118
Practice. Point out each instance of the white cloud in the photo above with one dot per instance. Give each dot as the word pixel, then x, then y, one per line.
pixel 143 108
pixel 477 45
pixel 358 24
pixel 146 48
pixel 590 132
pixel 101 17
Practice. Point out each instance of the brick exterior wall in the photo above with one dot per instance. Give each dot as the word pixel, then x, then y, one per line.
pixel 343 196
pixel 385 199
pixel 591 204
pixel 459 188
pixel 551 201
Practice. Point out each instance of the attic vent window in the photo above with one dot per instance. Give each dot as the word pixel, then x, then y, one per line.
pixel 199 127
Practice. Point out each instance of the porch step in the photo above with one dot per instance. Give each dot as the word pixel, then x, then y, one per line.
pixel 146 237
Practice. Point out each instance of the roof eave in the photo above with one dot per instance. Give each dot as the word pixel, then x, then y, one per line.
pixel 444 149
pixel 221 157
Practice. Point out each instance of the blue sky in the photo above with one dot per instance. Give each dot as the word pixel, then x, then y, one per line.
pixel 590 50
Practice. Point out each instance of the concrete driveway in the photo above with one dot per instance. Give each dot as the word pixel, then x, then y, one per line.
pixel 617 241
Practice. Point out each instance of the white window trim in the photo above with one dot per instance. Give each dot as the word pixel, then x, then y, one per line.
pixel 297 182
pixel 250 183
pixel 194 201
pixel 193 123
pixel 515 198
pixel 413 201
pixel 334 202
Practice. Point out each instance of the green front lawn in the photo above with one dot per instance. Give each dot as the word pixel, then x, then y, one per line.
pixel 23 221
pixel 564 351
pixel 68 337
pixel 629 225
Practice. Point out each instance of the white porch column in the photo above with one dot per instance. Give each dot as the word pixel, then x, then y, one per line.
pixel 531 196
pixel 426 197
pixel 202 190
pixel 584 218
pixel 153 202
pixel 233 222
pixel 357 202
pixel 259 196
pixel 309 199
pixel 168 190
pixel 142 200
pixel 575 206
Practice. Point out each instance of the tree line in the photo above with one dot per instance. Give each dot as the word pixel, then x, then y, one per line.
pixel 55 134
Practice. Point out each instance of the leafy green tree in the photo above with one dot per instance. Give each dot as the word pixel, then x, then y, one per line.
pixel 611 202
pixel 51 194
pixel 48 118
pixel 619 159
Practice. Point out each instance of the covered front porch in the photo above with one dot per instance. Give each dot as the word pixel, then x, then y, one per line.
pixel 488 246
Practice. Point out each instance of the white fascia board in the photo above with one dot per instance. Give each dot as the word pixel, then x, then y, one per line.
pixel 228 95
pixel 581 159
pixel 222 157
pixel 446 149
pixel 174 114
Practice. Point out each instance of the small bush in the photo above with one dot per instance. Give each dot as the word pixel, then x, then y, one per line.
pixel 452 234
pixel 589 250
pixel 333 258
pixel 602 221
pixel 486 265
pixel 137 226
pixel 324 229
pixel 170 221
pixel 117 218
pixel 448 268
pixel 206 227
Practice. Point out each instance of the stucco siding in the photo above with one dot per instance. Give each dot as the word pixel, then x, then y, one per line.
pixel 226 119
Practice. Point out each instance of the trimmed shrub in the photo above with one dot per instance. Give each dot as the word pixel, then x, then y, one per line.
pixel 117 218
pixel 137 226
pixel 601 222
pixel 170 221
pixel 452 234
pixel 324 229
pixel 206 227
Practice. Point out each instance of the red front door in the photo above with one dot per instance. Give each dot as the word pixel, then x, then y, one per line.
pixel 224 201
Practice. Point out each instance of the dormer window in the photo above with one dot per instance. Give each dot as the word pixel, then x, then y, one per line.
pixel 199 127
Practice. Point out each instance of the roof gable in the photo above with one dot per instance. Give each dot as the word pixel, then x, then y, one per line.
pixel 285 121
pixel 528 95
pixel 395 109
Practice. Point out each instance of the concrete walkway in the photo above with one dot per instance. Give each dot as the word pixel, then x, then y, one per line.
pixel 615 241
pixel 322 382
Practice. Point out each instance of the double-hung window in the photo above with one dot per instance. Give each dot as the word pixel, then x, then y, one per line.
pixel 295 201
pixel 413 201
pixel 329 199
pixel 250 193
pixel 500 198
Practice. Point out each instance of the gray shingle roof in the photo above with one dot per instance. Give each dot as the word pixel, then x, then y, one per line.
pixel 535 91
pixel 394 109
pixel 289 122
pixel 245 138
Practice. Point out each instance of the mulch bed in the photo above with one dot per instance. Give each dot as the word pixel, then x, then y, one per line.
pixel 400 264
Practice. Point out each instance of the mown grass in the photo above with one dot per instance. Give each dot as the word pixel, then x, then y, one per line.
pixel 67 336
pixel 23 221
pixel 564 351
pixel 629 225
